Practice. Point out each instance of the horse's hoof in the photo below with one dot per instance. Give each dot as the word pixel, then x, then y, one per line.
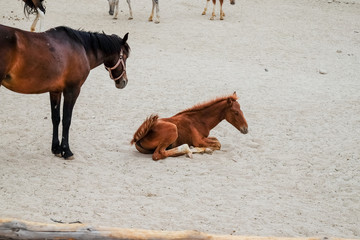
pixel 70 158
pixel 68 155
pixel 130 18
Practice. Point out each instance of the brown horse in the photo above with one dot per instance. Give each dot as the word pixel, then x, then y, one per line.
pixel 222 14
pixel 36 7
pixel 170 137
pixel 58 61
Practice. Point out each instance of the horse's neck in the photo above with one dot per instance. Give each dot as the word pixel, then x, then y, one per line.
pixel 96 59
pixel 212 115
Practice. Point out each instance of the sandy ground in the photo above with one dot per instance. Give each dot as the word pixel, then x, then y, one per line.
pixel 296 173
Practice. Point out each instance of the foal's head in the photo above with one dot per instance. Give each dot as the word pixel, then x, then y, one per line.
pixel 234 115
pixel 111 6
pixel 116 64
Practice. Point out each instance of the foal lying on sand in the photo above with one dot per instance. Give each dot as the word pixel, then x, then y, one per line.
pixel 171 137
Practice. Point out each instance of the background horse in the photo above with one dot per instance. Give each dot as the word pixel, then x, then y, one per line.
pixel 36 7
pixel 222 14
pixel 114 9
pixel 58 61
pixel 169 137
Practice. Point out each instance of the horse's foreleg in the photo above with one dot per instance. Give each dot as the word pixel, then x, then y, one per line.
pixel 206 7
pixel 130 10
pixel 69 102
pixel 55 100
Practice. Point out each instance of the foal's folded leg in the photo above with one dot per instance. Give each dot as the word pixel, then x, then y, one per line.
pixel 173 152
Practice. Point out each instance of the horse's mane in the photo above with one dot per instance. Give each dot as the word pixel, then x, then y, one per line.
pixel 207 104
pixel 95 40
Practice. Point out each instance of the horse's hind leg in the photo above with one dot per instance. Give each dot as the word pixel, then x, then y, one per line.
pixel 161 153
pixel 206 7
pixel 222 14
pixel 155 4
pixel 55 99
pixel 130 10
pixel 213 12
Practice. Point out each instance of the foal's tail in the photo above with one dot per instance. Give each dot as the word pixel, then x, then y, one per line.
pixel 144 128
pixel 31 8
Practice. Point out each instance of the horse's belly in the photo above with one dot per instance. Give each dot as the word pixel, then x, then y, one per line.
pixel 26 86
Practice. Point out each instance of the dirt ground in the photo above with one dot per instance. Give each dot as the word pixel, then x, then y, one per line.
pixel 295 66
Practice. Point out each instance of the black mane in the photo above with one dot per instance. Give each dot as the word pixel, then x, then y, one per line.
pixel 93 41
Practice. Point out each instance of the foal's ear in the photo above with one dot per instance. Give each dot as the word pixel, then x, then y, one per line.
pixel 125 38
pixel 230 101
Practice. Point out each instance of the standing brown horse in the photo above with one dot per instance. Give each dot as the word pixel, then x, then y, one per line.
pixel 170 137
pixel 36 7
pixel 58 61
pixel 222 14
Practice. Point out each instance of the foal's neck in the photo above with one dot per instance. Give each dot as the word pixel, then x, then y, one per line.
pixel 213 115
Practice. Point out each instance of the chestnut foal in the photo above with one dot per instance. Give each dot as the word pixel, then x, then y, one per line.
pixel 170 137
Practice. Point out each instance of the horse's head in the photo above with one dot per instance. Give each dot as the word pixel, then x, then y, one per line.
pixel 111 6
pixel 234 115
pixel 232 2
pixel 118 62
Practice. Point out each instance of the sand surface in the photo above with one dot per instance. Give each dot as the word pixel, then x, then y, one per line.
pixel 297 171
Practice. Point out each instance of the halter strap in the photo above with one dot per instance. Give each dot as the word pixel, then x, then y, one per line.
pixel 121 60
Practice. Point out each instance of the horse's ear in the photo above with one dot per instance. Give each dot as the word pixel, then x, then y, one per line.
pixel 125 38
pixel 235 94
pixel 230 101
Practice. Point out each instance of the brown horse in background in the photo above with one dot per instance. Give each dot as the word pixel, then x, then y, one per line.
pixel 222 14
pixel 35 7
pixel 170 137
pixel 58 61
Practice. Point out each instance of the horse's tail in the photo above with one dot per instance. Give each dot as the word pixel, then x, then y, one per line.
pixel 31 8
pixel 144 128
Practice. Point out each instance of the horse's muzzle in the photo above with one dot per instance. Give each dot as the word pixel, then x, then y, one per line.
pixel 121 83
pixel 244 130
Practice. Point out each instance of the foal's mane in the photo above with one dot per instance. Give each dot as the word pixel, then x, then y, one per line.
pixel 201 106
pixel 95 40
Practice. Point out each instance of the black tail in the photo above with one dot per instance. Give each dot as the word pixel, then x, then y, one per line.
pixel 31 8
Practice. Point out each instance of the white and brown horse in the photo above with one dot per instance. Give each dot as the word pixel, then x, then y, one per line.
pixel 35 7
pixel 114 10
pixel 222 14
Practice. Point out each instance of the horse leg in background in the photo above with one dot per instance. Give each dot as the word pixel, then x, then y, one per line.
pixel 130 10
pixel 155 4
pixel 55 100
pixel 222 14
pixel 116 9
pixel 206 7
pixel 213 12
pixel 70 96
